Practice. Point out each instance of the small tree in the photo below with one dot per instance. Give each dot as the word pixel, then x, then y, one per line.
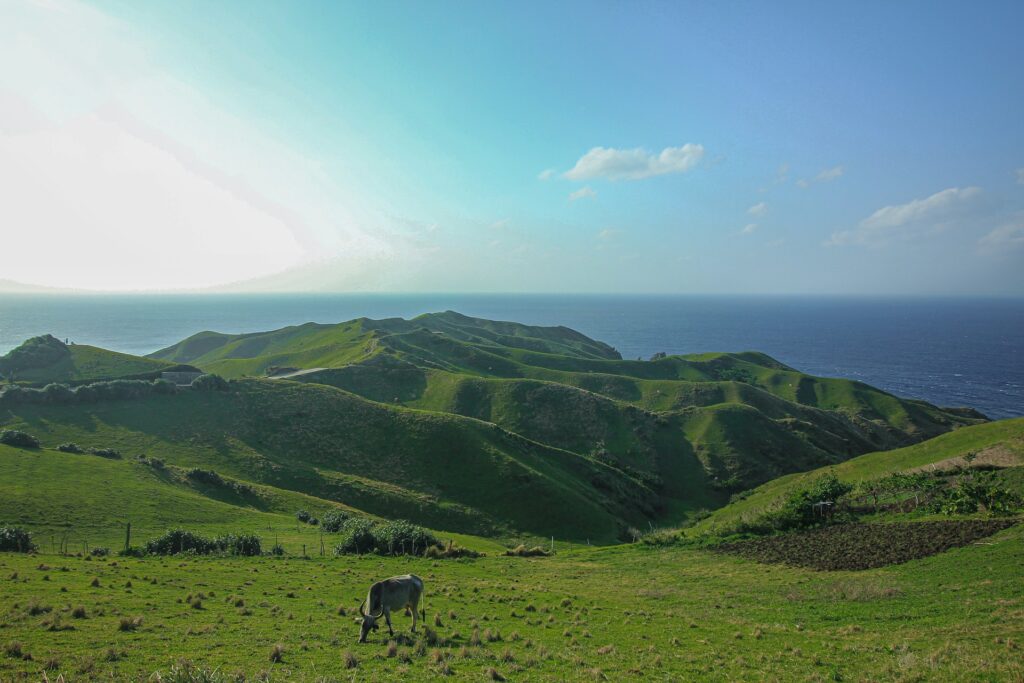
pixel 16 539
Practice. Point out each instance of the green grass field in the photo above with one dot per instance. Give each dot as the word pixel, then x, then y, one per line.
pixel 584 614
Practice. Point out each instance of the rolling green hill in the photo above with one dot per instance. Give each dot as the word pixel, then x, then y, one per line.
pixel 46 359
pixel 477 426
pixel 744 417
pixel 90 499
pixel 444 471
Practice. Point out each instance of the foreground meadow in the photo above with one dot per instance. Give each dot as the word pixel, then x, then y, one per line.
pixel 584 614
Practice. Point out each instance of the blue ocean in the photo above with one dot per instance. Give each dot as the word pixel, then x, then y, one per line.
pixel 951 352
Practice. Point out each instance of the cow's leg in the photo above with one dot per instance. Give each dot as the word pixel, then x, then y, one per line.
pixel 387 618
pixel 415 613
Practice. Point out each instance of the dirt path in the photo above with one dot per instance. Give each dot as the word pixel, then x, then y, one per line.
pixel 289 375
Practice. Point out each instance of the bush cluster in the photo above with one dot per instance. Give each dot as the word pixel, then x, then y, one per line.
pixel 62 394
pixel 212 478
pixel 334 520
pixel 306 518
pixel 978 490
pixel 13 437
pixel 178 541
pixel 359 536
pixel 13 538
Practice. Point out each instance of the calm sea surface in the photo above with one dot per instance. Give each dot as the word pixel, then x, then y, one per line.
pixel 949 351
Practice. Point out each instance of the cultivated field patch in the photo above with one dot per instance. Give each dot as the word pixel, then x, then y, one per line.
pixel 865 546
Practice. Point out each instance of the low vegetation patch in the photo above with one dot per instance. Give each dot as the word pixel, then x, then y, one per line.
pixel 360 536
pixel 18 439
pixel 864 546
pixel 523 551
pixel 178 541
pixel 62 394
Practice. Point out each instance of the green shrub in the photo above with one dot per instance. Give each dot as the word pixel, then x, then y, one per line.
pixel 99 552
pixel 70 448
pixel 106 453
pixel 16 539
pixel 400 537
pixel 334 520
pixel 303 516
pixel 978 490
pixel 247 545
pixel 210 382
pixel 12 437
pixel 178 541
pixel 356 537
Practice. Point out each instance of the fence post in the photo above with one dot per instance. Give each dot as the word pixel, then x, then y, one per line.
pixel 128 537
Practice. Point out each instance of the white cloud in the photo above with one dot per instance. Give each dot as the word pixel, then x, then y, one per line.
pixel 758 209
pixel 546 174
pixel 584 192
pixel 1006 236
pixel 1020 176
pixel 829 174
pixel 888 222
pixel 781 174
pixel 749 229
pixel 634 164
pixel 608 234
pixel 824 176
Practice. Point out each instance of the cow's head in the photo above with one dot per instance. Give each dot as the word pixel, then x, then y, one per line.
pixel 369 622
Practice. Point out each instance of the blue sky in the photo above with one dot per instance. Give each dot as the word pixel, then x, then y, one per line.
pixel 607 147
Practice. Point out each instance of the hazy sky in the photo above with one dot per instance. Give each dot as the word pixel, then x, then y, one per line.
pixel 484 146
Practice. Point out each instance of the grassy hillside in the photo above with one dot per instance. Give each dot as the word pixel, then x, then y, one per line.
pixel 432 418
pixel 444 471
pixel 90 499
pixel 999 442
pixel 728 420
pixel 42 360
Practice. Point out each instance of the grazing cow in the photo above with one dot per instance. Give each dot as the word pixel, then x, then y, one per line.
pixel 395 593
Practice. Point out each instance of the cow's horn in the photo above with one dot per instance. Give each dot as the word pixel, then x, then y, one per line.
pixel 361 610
